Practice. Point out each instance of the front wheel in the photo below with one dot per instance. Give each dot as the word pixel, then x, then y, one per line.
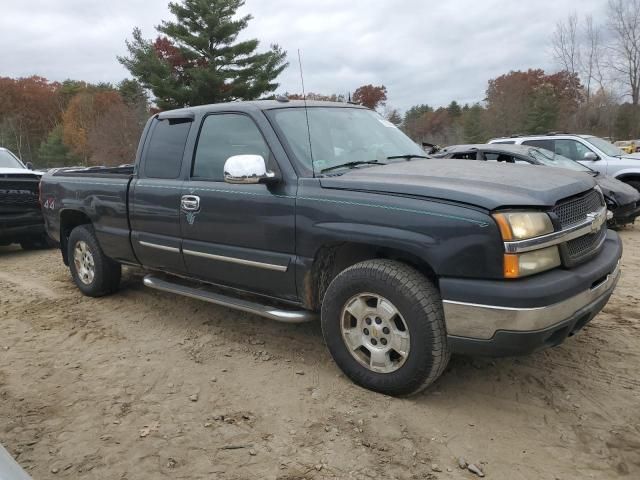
pixel 384 325
pixel 93 272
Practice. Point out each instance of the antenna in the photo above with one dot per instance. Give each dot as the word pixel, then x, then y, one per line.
pixel 306 113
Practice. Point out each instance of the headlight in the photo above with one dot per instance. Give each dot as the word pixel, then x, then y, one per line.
pixel 523 225
pixel 536 261
pixel 515 226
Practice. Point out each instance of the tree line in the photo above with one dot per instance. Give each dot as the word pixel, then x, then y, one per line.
pixel 197 58
pixel 54 124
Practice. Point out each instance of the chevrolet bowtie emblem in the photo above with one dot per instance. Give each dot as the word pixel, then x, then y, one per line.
pixel 596 221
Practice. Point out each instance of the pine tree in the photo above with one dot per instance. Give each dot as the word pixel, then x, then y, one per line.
pixel 197 60
pixel 473 124
pixel 54 153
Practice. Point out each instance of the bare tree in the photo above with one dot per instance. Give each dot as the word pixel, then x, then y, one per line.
pixel 591 59
pixel 624 20
pixel 566 44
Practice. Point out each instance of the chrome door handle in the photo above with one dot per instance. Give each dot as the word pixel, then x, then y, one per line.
pixel 190 203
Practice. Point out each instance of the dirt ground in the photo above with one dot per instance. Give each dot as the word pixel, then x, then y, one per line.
pixel 145 385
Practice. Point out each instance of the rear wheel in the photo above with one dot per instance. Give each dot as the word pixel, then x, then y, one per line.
pixel 384 325
pixel 93 272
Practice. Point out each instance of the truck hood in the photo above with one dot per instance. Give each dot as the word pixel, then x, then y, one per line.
pixel 18 171
pixel 483 184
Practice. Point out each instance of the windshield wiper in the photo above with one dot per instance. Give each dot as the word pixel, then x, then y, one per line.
pixel 351 165
pixel 406 157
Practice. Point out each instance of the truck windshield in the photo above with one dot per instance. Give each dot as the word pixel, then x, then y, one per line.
pixel 342 136
pixel 608 148
pixel 7 160
pixel 551 159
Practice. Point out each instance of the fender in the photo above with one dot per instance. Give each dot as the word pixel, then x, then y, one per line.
pixel 628 171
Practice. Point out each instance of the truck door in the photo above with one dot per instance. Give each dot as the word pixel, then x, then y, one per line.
pixel 154 202
pixel 238 235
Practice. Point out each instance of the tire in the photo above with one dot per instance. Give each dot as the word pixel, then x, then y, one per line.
pixel 386 286
pixel 95 274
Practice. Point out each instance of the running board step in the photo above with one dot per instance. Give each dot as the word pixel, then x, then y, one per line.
pixel 202 292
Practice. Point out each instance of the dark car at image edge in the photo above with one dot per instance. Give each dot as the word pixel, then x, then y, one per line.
pixel 295 211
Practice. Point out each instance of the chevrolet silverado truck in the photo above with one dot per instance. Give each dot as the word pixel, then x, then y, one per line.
pixel 295 211
pixel 20 214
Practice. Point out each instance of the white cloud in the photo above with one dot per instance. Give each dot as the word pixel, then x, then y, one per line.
pixel 424 52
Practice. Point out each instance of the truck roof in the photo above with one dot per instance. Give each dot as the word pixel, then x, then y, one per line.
pixel 257 105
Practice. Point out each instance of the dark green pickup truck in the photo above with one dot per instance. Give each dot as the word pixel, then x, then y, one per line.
pixel 329 211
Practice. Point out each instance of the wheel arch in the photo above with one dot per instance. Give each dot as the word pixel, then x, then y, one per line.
pixel 332 258
pixel 70 219
pixel 627 176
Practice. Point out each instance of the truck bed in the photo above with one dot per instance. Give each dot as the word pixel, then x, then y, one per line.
pixel 101 193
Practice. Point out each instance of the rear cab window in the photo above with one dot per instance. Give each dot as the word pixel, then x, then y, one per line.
pixel 165 148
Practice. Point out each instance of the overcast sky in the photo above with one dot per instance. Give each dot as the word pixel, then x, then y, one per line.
pixel 423 51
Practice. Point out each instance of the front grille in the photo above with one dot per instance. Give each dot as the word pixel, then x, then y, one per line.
pixel 575 210
pixel 21 193
pixel 581 249
pixel 572 212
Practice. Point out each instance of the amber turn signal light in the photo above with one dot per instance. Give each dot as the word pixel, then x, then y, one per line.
pixel 511 266
pixel 505 228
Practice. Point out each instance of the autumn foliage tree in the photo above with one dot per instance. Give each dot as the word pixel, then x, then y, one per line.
pixel 114 138
pixel 28 111
pixel 511 99
pixel 198 58
pixel 101 128
pixel 370 96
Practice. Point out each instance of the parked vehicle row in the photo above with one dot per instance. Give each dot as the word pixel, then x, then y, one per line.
pixel 593 152
pixel 622 200
pixel 295 211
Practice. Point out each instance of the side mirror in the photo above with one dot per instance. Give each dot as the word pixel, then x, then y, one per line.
pixel 248 169
pixel 29 166
pixel 590 156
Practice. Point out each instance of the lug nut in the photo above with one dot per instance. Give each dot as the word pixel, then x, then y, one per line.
pixel 374 341
pixel 386 330
pixel 383 341
pixel 368 320
pixel 378 320
pixel 366 331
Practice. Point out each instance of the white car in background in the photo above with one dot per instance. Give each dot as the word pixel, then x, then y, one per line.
pixel 594 152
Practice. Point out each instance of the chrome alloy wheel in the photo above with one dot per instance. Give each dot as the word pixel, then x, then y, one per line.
pixel 83 260
pixel 375 333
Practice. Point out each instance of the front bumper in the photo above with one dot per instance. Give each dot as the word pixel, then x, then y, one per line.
pixel 16 226
pixel 16 233
pixel 519 317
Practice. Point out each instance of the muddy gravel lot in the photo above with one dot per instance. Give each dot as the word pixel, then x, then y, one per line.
pixel 146 385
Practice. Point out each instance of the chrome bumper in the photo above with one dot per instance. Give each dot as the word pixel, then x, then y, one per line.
pixel 483 321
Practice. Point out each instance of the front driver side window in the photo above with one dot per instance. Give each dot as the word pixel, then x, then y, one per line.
pixel 223 136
